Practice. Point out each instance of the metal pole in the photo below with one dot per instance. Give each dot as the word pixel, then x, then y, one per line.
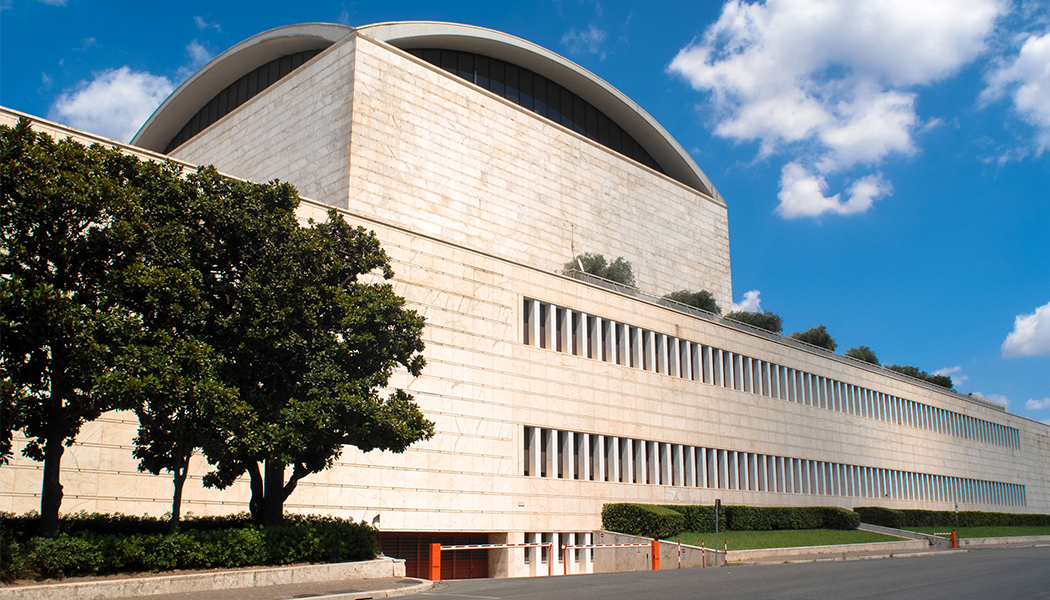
pixel 718 509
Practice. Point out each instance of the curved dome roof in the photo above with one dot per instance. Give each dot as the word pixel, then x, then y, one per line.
pixel 228 67
pixel 239 60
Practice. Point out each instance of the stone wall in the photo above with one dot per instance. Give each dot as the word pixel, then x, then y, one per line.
pixel 437 155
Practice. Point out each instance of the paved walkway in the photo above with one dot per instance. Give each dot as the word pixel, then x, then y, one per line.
pixel 328 590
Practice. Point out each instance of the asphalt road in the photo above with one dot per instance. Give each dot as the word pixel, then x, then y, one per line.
pixel 994 573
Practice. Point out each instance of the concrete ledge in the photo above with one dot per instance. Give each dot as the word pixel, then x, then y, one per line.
pixel 934 541
pixel 883 547
pixel 1004 541
pixel 203 582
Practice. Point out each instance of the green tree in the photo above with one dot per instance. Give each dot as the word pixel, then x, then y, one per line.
pixel 310 332
pixel 168 375
pixel 618 270
pixel 703 300
pixel 182 405
pixel 767 320
pixel 69 225
pixel 942 380
pixel 817 336
pixel 863 353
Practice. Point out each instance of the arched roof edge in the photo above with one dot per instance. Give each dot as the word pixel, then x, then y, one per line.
pixel 667 152
pixel 226 68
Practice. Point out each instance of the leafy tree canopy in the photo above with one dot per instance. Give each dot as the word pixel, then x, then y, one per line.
pixel 767 320
pixel 703 300
pixel 942 380
pixel 818 336
pixel 863 353
pixel 618 270
pixel 70 227
pixel 201 303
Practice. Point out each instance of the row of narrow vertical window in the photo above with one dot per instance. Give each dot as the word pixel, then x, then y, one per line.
pixel 581 334
pixel 580 559
pixel 558 454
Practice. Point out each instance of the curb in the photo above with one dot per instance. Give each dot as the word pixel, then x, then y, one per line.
pixel 223 580
pixel 850 558
pixel 422 586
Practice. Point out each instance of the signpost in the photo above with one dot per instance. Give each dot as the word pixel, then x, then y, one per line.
pixel 718 509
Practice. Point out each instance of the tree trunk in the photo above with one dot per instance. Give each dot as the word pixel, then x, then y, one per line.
pixel 176 500
pixel 51 492
pixel 273 497
pixel 255 504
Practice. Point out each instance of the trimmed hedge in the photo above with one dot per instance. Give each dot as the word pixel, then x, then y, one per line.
pixel 26 525
pixel 642 519
pixel 87 551
pixel 700 517
pixel 888 517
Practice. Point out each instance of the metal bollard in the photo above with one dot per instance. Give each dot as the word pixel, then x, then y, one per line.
pixel 656 555
pixel 435 562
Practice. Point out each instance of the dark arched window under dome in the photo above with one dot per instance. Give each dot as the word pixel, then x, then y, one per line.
pixel 239 92
pixel 540 95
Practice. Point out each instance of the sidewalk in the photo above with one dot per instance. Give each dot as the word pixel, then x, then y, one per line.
pixel 379 578
pixel 349 589
pixel 321 590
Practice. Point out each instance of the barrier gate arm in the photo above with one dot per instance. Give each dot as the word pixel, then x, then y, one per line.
pixel 436 548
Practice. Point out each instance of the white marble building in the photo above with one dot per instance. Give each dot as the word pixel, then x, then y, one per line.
pixel 480 159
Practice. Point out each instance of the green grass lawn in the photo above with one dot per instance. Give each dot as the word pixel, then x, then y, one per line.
pixel 746 540
pixel 980 532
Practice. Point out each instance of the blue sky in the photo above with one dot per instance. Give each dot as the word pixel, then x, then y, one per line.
pixel 886 164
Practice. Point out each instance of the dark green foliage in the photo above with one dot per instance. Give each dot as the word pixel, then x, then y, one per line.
pixel 86 547
pixel 71 230
pixel 836 517
pixel 863 353
pixel 703 300
pixel 646 520
pixel 202 304
pixel 768 320
pixel 942 380
pixel 817 336
pixel 877 515
pixel 643 519
pixel 618 270
pixel 945 518
pixel 700 517
pixel 768 518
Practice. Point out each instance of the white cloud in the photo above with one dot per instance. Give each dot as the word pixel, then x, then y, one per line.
pixel 86 44
pixel 750 303
pixel 1034 404
pixel 114 104
pixel 802 194
pixel 1031 334
pixel 954 372
pixel 199 55
pixel 829 82
pixel 1026 78
pixel 588 41
pixel 54 2
pixel 203 24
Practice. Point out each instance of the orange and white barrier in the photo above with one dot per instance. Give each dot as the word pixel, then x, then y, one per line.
pixel 435 554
